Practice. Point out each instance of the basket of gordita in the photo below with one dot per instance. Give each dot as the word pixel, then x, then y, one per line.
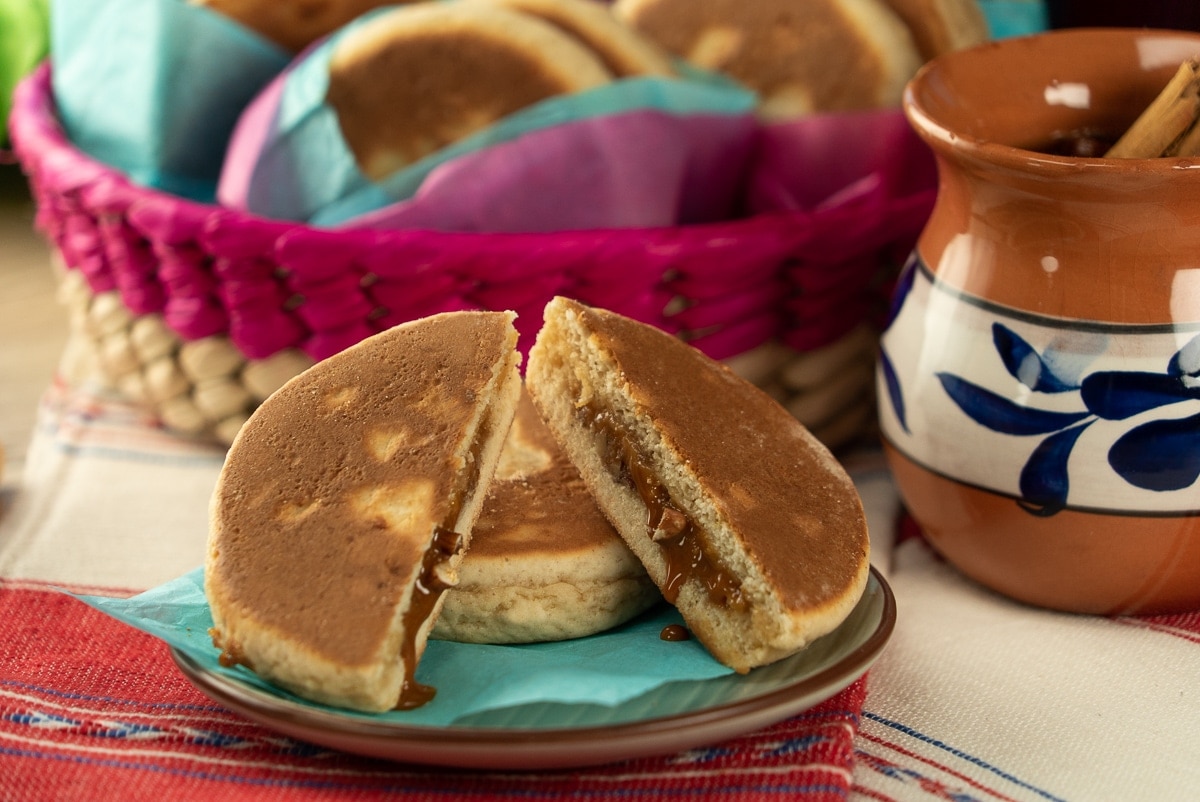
pixel 201 310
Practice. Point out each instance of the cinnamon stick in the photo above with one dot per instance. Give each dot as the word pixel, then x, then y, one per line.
pixel 1186 145
pixel 1168 124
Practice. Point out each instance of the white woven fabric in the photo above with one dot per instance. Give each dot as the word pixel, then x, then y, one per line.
pixel 981 698
pixel 106 500
pixel 975 698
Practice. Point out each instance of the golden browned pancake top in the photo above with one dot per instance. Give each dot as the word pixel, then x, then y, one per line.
pixel 537 504
pixel 794 507
pixel 330 492
pixel 773 46
pixel 416 79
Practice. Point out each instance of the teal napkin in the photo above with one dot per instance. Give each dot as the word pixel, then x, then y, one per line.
pixel 154 88
pixel 605 669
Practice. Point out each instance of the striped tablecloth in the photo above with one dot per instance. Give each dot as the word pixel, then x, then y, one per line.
pixel 976 698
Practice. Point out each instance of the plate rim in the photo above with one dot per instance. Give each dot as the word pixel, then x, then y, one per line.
pixel 505 742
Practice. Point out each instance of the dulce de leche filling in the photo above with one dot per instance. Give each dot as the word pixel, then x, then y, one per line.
pixel 430 586
pixel 684 549
pixel 428 589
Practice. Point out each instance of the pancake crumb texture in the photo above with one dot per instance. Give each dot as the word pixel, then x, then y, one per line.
pixel 763 543
pixel 331 495
pixel 544 564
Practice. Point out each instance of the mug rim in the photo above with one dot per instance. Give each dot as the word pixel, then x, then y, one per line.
pixel 943 138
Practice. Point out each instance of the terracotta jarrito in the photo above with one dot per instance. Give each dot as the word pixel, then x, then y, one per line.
pixel 1039 380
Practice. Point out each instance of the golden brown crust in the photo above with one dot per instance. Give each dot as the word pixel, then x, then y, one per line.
pixel 544 563
pixel 331 493
pixel 779 488
pixel 801 57
pixel 416 79
pixel 537 502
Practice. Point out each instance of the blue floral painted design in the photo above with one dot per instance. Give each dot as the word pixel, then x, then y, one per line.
pixel 1160 455
pixel 904 285
pixel 892 382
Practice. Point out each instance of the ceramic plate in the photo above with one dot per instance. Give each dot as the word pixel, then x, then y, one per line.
pixel 673 717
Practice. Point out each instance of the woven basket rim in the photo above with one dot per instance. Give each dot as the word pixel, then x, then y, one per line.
pixel 742 282
pixel 38 136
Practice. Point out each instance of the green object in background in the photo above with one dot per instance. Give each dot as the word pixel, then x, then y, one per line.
pixel 24 41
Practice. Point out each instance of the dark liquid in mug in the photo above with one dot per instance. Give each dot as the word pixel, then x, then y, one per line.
pixel 1183 15
pixel 1083 144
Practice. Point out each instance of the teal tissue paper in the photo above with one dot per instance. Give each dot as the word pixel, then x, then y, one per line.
pixel 288 160
pixel 608 668
pixel 154 88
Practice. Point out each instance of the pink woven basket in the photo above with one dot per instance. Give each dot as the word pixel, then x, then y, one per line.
pixel 271 286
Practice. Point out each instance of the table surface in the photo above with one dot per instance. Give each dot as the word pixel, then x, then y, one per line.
pixel 33 325
pixel 975 698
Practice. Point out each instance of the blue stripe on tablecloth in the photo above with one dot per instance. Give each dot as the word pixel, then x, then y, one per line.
pixel 199 774
pixel 152 457
pixel 25 686
pixel 301 775
pixel 80 421
pixel 960 754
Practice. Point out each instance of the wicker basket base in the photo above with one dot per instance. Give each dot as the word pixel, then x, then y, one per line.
pixel 202 388
pixel 207 388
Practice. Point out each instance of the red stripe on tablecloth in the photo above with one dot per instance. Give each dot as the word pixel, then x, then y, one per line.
pixel 70 587
pixel 929 785
pixel 81 420
pixel 871 793
pixel 93 709
pixel 1179 625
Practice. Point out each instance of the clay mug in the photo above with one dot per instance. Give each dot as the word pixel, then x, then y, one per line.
pixel 1039 379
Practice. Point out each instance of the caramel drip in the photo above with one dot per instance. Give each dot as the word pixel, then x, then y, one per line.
pixel 231 655
pixel 674 632
pixel 426 592
pixel 429 588
pixel 682 543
